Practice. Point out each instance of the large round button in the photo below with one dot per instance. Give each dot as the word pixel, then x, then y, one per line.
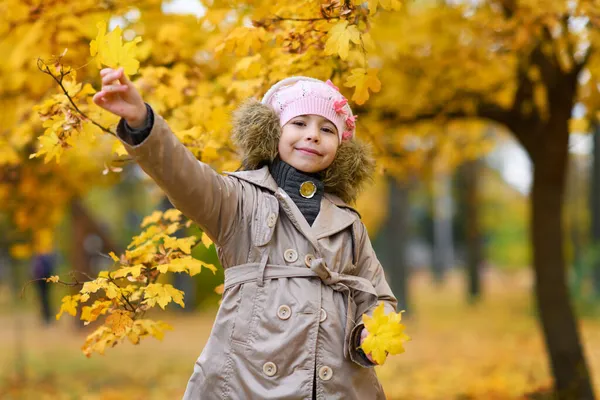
pixel 323 315
pixel 309 259
pixel 290 255
pixel 271 220
pixel 325 373
pixel 308 189
pixel 284 312
pixel 270 368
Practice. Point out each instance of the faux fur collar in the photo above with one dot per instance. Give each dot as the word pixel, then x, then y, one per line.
pixel 256 132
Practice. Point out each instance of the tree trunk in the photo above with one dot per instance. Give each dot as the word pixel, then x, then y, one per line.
pixel 395 237
pixel 557 318
pixel 443 243
pixel 473 238
pixel 595 208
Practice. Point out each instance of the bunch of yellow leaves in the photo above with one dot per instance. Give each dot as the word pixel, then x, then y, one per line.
pixel 386 334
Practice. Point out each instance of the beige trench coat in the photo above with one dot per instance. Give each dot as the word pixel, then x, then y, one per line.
pixel 294 293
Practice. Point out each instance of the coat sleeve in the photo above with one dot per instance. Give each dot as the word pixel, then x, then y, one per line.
pixel 368 267
pixel 200 193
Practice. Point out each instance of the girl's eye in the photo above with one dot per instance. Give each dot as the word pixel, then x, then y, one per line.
pixel 298 123
pixel 328 130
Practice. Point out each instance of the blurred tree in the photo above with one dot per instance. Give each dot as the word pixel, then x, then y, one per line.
pixel 469 204
pixel 594 207
pixel 523 65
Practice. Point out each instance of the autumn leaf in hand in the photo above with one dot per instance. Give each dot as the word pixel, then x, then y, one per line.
pixel 363 80
pixel 109 50
pixel 386 334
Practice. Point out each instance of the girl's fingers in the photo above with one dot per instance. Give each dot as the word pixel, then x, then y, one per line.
pixel 125 79
pixel 114 88
pixel 105 71
pixel 110 78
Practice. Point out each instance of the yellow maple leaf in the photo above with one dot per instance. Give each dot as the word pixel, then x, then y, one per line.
pixel 109 50
pixel 113 256
pixel 220 289
pixel 69 305
pixel 134 271
pixel 184 244
pixel 51 146
pixel 340 37
pixel 91 313
pixel 53 278
pixel 151 219
pixel 363 81
pixel 119 321
pixel 157 293
pixel 386 334
pixel 206 240
pixel 172 215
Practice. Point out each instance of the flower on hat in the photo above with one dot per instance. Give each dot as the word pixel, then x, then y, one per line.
pixel 329 83
pixel 351 122
pixel 339 106
pixel 347 135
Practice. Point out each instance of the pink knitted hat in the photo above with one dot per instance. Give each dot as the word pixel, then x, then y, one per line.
pixel 300 95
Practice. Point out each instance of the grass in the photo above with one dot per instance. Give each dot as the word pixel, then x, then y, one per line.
pixel 489 351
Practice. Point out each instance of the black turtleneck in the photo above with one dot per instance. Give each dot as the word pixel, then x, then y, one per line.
pixel 289 179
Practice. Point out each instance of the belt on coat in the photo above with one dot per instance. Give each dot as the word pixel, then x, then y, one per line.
pixel 350 285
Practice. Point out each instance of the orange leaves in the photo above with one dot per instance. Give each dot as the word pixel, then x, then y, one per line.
pixel 363 80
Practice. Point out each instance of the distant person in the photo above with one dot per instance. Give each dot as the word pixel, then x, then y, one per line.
pixel 43 267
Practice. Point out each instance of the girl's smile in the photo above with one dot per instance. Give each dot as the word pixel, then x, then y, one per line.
pixel 308 143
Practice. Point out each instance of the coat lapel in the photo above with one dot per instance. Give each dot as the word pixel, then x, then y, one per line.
pixel 332 218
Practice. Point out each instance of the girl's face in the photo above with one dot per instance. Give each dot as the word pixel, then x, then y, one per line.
pixel 308 143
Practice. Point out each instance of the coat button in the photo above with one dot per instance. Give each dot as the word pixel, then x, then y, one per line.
pixel 270 368
pixel 325 373
pixel 290 255
pixel 309 259
pixel 271 220
pixel 323 316
pixel 284 312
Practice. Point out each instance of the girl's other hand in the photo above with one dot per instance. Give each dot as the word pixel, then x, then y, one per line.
pixel 120 97
pixel 363 336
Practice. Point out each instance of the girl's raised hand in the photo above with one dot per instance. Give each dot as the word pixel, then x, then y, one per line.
pixel 120 97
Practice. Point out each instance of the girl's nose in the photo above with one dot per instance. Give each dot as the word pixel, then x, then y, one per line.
pixel 314 136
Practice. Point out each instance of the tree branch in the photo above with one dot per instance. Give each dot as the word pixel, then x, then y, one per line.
pixel 42 66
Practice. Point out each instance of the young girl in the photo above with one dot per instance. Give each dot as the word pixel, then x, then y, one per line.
pixel 299 267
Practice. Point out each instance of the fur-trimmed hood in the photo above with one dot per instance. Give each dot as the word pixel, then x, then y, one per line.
pixel 256 133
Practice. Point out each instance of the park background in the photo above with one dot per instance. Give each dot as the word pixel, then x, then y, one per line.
pixel 485 211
